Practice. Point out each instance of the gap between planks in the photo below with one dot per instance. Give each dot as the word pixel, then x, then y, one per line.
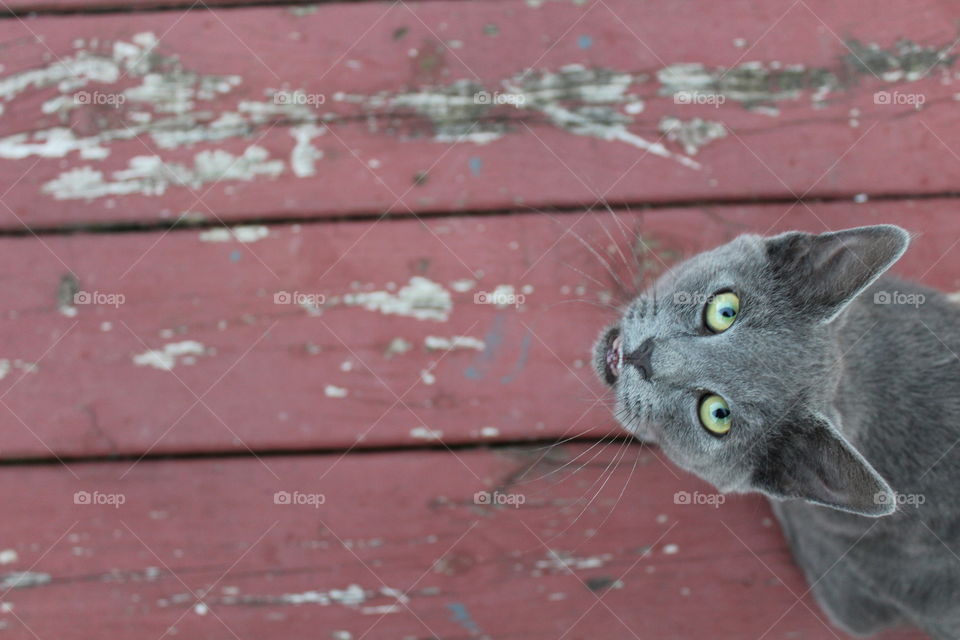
pixel 453 448
pixel 124 227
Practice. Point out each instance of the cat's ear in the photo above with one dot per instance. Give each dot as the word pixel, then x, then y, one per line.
pixel 825 272
pixel 810 460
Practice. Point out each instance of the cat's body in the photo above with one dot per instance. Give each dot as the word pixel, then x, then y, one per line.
pixel 898 403
pixel 833 392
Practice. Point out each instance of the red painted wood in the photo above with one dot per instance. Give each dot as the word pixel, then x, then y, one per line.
pixel 267 366
pixel 372 62
pixel 399 523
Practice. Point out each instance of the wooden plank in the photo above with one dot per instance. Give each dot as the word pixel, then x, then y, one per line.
pixel 398 549
pixel 35 7
pixel 219 114
pixel 91 379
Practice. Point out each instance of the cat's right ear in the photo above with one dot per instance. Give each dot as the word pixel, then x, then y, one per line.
pixel 825 272
pixel 810 460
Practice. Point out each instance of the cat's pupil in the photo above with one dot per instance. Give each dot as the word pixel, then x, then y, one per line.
pixel 728 312
pixel 720 413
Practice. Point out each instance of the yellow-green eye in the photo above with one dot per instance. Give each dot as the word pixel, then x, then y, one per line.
pixel 721 311
pixel 715 414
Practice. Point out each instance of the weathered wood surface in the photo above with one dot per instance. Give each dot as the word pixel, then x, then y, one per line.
pixel 398 549
pixel 154 116
pixel 198 357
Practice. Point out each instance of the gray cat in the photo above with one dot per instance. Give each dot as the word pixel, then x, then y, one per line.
pixel 784 366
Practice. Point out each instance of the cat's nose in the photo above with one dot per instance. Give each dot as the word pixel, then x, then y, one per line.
pixel 640 358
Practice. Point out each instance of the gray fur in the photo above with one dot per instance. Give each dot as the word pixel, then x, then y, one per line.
pixel 836 400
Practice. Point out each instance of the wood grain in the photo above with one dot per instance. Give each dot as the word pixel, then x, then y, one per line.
pixel 398 549
pixel 373 108
pixel 352 364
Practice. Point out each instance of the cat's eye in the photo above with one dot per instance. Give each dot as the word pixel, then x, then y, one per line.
pixel 721 311
pixel 714 414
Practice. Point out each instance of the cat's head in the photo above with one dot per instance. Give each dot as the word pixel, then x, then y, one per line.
pixel 729 361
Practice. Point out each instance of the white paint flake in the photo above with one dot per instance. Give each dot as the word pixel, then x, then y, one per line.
pixel 8 556
pixel 151 176
pixel 425 433
pixel 464 285
pixel 436 343
pixel 670 549
pixel 489 432
pixel 304 154
pixel 692 134
pixel 558 560
pixel 6 366
pixel 243 234
pixel 334 392
pixel 170 355
pixel 420 298
pixel 23 579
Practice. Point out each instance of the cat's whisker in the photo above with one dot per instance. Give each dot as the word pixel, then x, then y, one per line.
pixel 623 491
pixel 608 472
pixel 561 467
pixel 624 289
pixel 596 303
pixel 604 440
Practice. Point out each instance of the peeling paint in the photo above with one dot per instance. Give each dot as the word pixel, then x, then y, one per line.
pixel 463 286
pixel 170 355
pixel 420 298
pixel 436 343
pixel 8 556
pixel 23 579
pixel 560 560
pixel 755 83
pixel 151 176
pixel 244 234
pixel 334 392
pixel 396 347
pixel 6 366
pixel 304 154
pixel 352 596
pixel 692 134
pixel 576 99
pixel 425 433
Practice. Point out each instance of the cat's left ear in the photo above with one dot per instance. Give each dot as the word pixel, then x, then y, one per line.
pixel 825 272
pixel 810 460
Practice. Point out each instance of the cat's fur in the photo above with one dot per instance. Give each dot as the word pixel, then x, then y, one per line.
pixel 838 404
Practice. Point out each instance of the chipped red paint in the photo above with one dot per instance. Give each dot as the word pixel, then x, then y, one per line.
pixel 261 370
pixel 302 339
pixel 385 157
pixel 398 547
